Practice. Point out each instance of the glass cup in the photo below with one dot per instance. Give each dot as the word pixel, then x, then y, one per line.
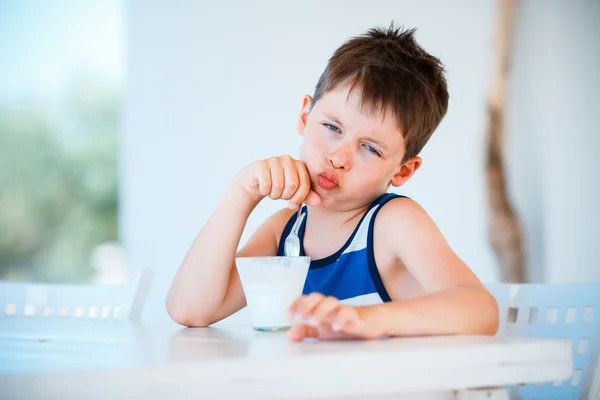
pixel 271 284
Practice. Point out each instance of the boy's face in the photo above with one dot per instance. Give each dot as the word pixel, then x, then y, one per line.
pixel 352 156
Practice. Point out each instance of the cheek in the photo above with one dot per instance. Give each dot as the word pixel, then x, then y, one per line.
pixel 313 144
pixel 367 179
pixel 369 174
pixel 307 149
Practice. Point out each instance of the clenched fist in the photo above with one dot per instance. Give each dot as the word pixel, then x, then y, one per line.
pixel 278 178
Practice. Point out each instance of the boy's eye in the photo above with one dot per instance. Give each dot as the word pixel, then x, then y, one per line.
pixel 332 127
pixel 372 150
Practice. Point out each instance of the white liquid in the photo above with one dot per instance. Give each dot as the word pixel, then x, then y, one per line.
pixel 269 307
pixel 271 285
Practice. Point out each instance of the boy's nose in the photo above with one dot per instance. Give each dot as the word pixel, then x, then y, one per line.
pixel 341 158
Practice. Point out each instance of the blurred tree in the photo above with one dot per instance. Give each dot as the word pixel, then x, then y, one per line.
pixel 58 185
pixel 503 223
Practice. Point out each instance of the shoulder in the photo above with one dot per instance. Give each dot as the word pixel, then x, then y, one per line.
pixel 405 232
pixel 401 211
pixel 265 240
pixel 403 220
pixel 274 225
pixel 278 221
pixel 282 216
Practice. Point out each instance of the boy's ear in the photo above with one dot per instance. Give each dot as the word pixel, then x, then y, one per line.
pixel 405 171
pixel 306 105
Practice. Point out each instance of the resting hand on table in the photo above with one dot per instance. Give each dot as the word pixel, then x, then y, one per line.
pixel 326 318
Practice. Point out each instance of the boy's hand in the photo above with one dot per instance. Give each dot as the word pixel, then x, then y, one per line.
pixel 279 178
pixel 327 318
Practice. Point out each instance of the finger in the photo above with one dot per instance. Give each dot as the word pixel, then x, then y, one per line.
pixel 306 305
pixel 347 321
pixel 300 332
pixel 277 179
pixel 313 199
pixel 303 185
pixel 263 176
pixel 291 177
pixel 293 308
pixel 325 311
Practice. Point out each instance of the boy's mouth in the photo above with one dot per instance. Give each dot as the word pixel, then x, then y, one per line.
pixel 328 180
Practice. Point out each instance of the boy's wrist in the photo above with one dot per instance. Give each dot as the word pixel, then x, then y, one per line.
pixel 375 319
pixel 237 198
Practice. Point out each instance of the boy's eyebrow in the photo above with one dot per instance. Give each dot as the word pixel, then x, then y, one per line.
pixel 377 142
pixel 370 139
pixel 334 119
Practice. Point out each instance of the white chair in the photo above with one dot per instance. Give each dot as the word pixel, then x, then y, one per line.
pixel 570 311
pixel 114 302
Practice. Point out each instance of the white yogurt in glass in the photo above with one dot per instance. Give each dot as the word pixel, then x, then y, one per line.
pixel 271 284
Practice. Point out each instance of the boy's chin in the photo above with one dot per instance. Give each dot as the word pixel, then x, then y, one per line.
pixel 328 201
pixel 333 201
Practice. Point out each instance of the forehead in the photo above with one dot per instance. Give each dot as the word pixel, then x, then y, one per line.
pixel 348 106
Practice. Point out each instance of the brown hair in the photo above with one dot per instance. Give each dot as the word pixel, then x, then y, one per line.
pixel 393 71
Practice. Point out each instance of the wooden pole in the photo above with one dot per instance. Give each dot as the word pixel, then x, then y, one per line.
pixel 504 230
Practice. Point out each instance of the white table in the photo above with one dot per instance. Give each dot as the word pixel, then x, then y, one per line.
pixel 67 358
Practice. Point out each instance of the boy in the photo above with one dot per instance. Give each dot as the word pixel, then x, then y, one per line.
pixel 379 265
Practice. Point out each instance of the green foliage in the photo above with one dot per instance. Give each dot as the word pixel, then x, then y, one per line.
pixel 58 185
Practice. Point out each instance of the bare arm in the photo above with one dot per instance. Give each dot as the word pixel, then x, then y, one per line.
pixel 460 310
pixel 453 300
pixel 206 287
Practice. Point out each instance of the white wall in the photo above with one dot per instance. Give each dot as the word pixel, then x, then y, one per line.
pixel 213 86
pixel 553 137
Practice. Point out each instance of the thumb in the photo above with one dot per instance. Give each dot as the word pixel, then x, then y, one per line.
pixel 313 199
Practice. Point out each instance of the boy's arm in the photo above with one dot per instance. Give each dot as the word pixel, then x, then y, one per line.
pixel 206 287
pixel 454 300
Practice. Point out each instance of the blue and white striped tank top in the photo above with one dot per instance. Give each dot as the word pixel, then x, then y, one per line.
pixel 350 274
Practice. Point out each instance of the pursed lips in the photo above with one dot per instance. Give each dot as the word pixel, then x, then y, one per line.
pixel 328 180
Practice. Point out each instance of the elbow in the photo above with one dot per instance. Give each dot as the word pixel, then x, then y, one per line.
pixel 182 315
pixel 489 319
pixel 481 315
